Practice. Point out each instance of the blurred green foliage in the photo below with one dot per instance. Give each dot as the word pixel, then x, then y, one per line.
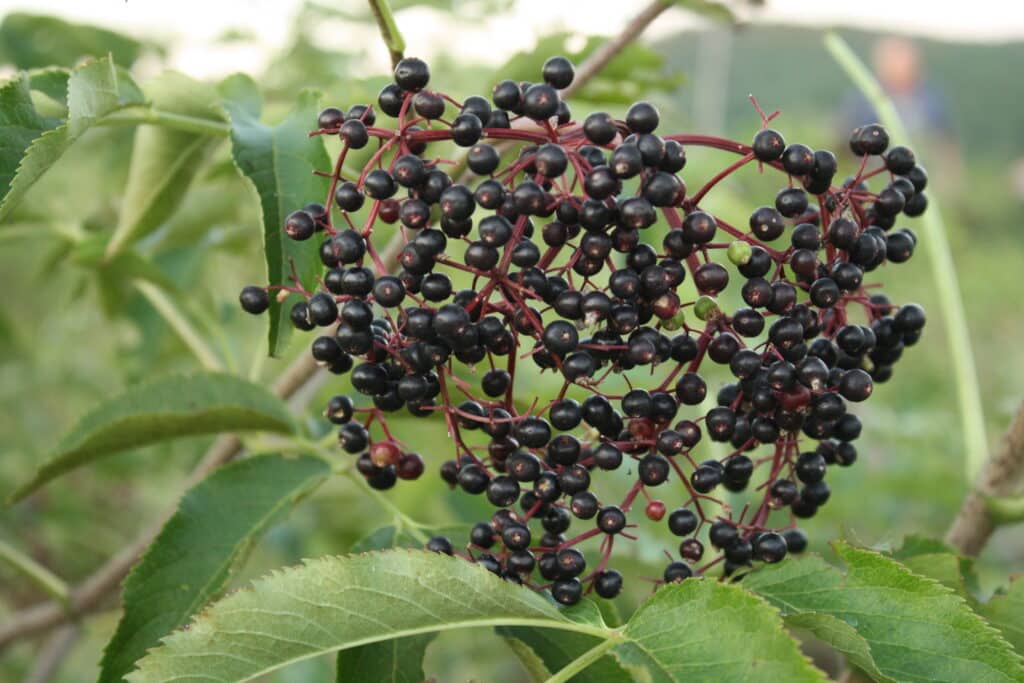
pixel 70 332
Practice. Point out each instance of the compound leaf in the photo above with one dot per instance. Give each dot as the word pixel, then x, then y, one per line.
pixel 164 160
pixel 191 560
pixel 1005 611
pixel 342 602
pixel 697 631
pixel 278 161
pixel 702 630
pixel 916 628
pixel 94 89
pixel 166 408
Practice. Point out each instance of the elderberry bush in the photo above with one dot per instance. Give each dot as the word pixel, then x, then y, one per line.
pixel 550 222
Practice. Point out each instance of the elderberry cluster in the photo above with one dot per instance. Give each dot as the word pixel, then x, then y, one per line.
pixel 548 226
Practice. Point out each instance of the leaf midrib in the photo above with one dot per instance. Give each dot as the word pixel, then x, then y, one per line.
pixel 603 634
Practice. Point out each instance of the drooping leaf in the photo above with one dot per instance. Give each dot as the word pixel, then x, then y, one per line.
pixel 341 602
pixel 934 558
pixel 166 408
pixel 399 660
pixel 52 82
pixel 191 560
pixel 20 125
pixel 916 628
pixel 30 41
pixel 278 161
pixel 164 160
pixel 95 89
pixel 1005 611
pixel 556 649
pixel 841 636
pixel 697 631
pixel 701 630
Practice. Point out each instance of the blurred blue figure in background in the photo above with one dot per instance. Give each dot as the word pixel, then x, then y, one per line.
pixel 897 63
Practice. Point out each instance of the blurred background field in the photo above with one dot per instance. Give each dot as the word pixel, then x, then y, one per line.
pixel 70 335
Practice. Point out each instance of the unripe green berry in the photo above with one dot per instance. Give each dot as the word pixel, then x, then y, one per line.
pixel 739 253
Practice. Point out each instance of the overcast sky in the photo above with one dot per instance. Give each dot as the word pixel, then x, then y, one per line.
pixel 193 24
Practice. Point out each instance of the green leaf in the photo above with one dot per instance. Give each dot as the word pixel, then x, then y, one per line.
pixel 166 408
pixel 842 637
pixel 20 125
pixel 916 628
pixel 398 660
pixel 192 559
pixel 29 41
pixel 1005 611
pixel 52 82
pixel 701 630
pixel 279 160
pixel 95 89
pixel 164 160
pixel 935 559
pixel 341 602
pixel 556 649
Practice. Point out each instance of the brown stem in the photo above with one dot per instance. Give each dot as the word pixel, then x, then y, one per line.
pixel 388 31
pixel 53 654
pixel 1001 476
pixel 599 59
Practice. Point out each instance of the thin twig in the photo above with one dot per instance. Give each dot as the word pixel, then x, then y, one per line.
pixel 1001 476
pixel 58 646
pixel 388 30
pixel 91 594
pixel 599 59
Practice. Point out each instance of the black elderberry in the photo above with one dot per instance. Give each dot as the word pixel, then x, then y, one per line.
pixel 768 145
pixel 440 544
pixel 676 572
pixel 412 74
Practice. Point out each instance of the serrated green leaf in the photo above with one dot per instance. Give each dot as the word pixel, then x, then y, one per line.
pixel 341 602
pixel 942 567
pixel 556 649
pixel 191 560
pixel 20 125
pixel 701 630
pixel 916 628
pixel 278 161
pixel 32 40
pixel 533 664
pixel 95 89
pixel 52 82
pixel 697 631
pixel 957 573
pixel 842 637
pixel 166 408
pixel 164 160
pixel 1005 611
pixel 399 660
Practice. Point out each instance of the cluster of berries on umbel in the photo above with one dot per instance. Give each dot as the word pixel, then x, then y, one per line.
pixel 549 228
